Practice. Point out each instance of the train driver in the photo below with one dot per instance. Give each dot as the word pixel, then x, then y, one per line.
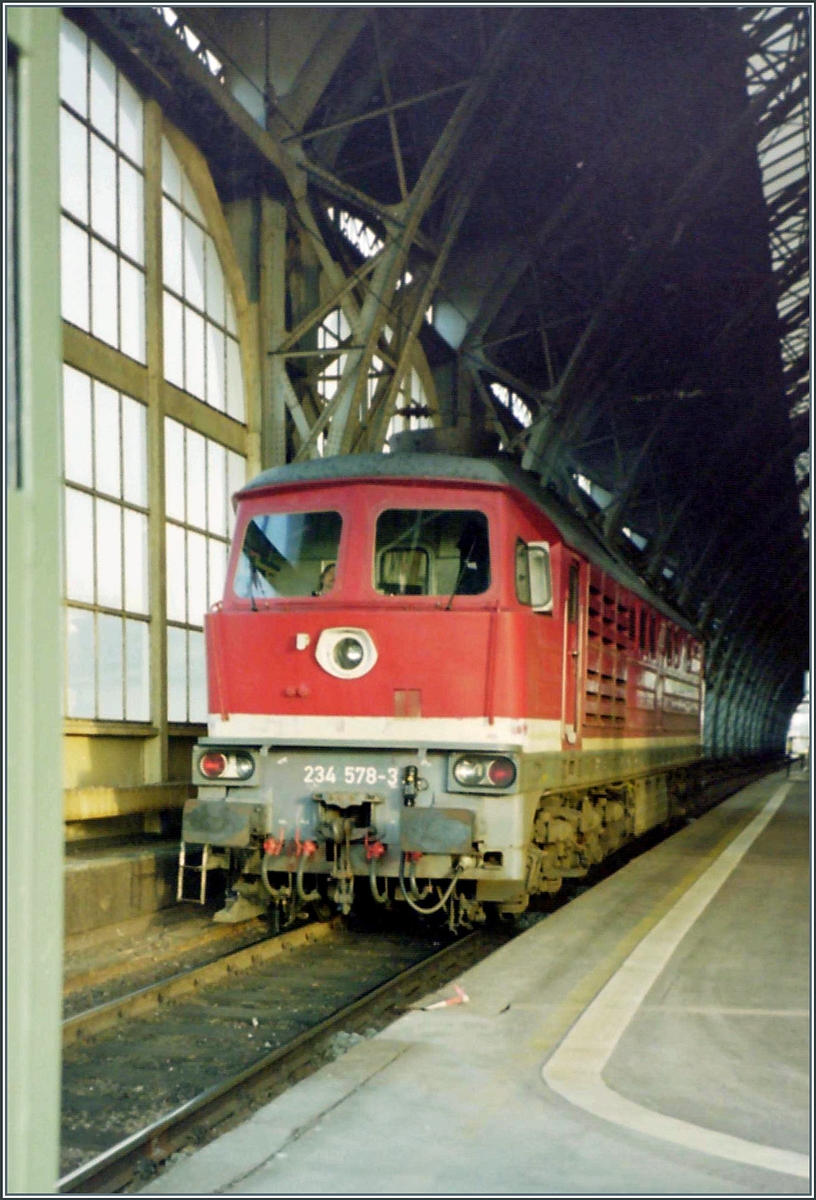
pixel 327 577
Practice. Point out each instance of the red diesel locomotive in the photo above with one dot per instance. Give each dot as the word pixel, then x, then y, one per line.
pixel 429 681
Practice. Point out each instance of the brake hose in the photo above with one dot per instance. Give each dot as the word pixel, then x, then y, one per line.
pixel 306 897
pixel 418 907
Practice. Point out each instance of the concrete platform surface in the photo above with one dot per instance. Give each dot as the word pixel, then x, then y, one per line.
pixel 651 1037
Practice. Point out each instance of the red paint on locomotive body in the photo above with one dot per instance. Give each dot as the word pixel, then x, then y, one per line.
pixel 600 667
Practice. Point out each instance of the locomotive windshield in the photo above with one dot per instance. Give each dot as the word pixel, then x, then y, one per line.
pixel 288 554
pixel 431 552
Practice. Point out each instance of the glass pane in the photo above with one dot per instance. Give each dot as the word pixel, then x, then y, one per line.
pixel 103 93
pixel 196 577
pixel 541 583
pixel 452 545
pixel 215 284
pixel 131 284
pixel 81 661
pixel 131 112
pixel 136 598
pixel 193 263
pixel 74 274
pixel 171 246
pixel 110 667
pixel 215 367
pixel 134 442
pixel 77 435
pixel 286 554
pixel 73 70
pixel 176 575
pixel 131 212
pixel 174 469
pixel 193 353
pixel 404 572
pixel 236 478
pixel 79 556
pixel 108 554
pixel 231 326
pixel 107 456
pixel 196 485
pixel 522 573
pixel 103 189
pixel 73 166
pixel 104 294
pixel 137 671
pixel 198 677
pixel 173 341
pixel 171 172
pixel 327 385
pixel 216 488
pixel 217 552
pixel 176 674
pixel 235 387
pixel 190 200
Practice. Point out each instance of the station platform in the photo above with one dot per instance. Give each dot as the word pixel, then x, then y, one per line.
pixel 107 884
pixel 651 1037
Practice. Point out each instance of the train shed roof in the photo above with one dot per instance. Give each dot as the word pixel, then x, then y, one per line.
pixel 593 221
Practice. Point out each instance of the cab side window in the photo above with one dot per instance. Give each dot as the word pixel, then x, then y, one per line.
pixel 534 575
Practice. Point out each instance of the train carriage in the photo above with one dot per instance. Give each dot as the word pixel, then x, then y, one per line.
pixel 430 682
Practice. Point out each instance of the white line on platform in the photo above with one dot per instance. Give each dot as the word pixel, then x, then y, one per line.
pixel 574 1070
pixel 715 1010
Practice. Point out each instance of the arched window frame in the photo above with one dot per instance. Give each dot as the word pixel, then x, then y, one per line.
pixel 144 752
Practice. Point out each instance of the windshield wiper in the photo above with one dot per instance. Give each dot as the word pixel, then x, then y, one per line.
pixel 464 566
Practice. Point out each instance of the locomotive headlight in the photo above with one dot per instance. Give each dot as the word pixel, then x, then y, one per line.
pixel 346 653
pixel 470 772
pixel 244 766
pixel 484 771
pixel 349 653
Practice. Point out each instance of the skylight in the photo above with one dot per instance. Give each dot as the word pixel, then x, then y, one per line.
pixel 193 42
pixel 356 232
pixel 512 401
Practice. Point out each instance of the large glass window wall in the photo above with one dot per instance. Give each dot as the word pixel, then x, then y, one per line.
pixel 102 196
pixel 149 460
pixel 105 544
pixel 201 476
pixel 201 351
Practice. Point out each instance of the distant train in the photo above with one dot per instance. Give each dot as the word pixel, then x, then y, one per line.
pixel 430 682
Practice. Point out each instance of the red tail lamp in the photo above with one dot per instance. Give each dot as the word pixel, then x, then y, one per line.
pixel 212 764
pixel 501 772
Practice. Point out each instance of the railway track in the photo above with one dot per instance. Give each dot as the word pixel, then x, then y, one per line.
pixel 133 1158
pixel 259 991
pixel 148 999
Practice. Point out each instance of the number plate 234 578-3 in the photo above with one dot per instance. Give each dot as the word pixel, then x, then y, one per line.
pixel 354 776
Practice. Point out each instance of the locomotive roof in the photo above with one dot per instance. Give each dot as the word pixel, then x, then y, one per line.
pixel 496 471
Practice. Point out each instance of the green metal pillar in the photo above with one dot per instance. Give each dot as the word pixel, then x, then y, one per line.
pixel 34 665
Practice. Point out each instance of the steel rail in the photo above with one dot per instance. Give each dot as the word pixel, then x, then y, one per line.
pixel 115 1168
pixel 209 937
pixel 146 999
